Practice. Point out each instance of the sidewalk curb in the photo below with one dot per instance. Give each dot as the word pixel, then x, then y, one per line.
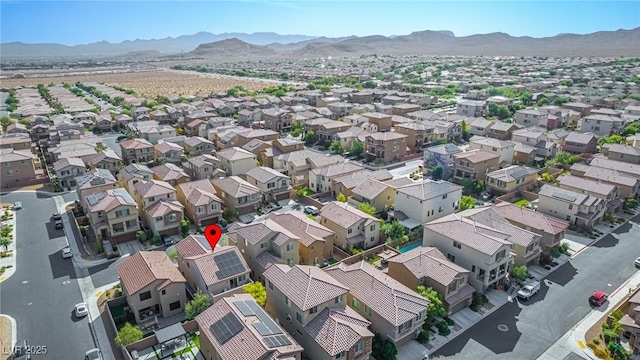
pixel 14 329
pixel 8 272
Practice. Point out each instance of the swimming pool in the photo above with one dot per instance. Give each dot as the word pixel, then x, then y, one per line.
pixel 408 247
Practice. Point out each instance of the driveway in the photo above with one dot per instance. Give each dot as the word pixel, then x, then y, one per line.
pixel 408 168
pixel 525 330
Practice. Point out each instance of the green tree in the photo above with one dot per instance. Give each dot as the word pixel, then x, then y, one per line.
pixel 559 100
pixel 295 132
pixel 383 349
pixel 526 98
pixel 5 241
pixel 128 334
pixel 437 172
pixel 5 121
pixel 543 101
pixel 393 230
pixel 521 273
pixel 466 134
pixel 310 137
pixel 341 198
pixel 563 158
pixel 229 214
pixel 611 139
pixel 185 226
pixel 357 148
pixel 336 147
pixel 467 202
pixel 200 303
pixel 367 208
pixel 632 128
pixel 258 292
pixel 436 306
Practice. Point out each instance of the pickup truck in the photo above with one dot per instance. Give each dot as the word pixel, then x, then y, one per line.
pixel 529 289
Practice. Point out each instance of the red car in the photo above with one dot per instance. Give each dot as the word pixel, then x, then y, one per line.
pixel 598 298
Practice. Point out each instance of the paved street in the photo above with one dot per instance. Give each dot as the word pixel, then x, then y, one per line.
pixel 408 168
pixel 43 291
pixel 109 140
pixel 3 107
pixel 533 326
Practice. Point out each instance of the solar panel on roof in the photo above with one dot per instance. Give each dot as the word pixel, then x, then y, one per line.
pixel 276 341
pixel 225 328
pixel 519 173
pixel 265 319
pixel 229 264
pixel 262 328
pixel 244 309
pixel 564 196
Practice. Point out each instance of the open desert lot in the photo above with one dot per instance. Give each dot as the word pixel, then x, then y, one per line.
pixel 148 83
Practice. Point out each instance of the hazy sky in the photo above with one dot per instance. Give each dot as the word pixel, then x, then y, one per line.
pixel 80 21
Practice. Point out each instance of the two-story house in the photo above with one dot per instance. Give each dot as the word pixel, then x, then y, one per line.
pixel 312 305
pixel 93 181
pixel 132 174
pixel 381 195
pixel 19 168
pixel 203 166
pixel 502 130
pixel 158 206
pixel 113 215
pixel 607 192
pixel 442 155
pixel 152 285
pixel 353 228
pixel 624 153
pixel 474 165
pixel 196 145
pixel 105 159
pixel 601 125
pixel 504 148
pixel 238 194
pixel 263 244
pixel 471 108
pixel 381 121
pixel 345 184
pixel 419 135
pixel 579 209
pixel 320 178
pixel 510 179
pixel 171 173
pixel 385 147
pixel 429 267
pixel 273 185
pixel 316 241
pixel 424 201
pixel 482 250
pixel 396 312
pixel 579 143
pixel 530 117
pixel 631 323
pixel 136 151
pixel 201 203
pixel 67 169
pixel 236 161
pixel 168 152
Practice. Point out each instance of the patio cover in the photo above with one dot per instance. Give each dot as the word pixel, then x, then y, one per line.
pixel 170 333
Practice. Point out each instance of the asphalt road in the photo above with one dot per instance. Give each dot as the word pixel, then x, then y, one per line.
pixel 41 294
pixel 408 168
pixel 533 326
pixel 3 107
pixel 109 140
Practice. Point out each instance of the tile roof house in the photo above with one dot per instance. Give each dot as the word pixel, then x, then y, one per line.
pixel 19 168
pixel 378 194
pixel 502 130
pixel 169 152
pixel 132 174
pixel 346 183
pixel 273 185
pixel 158 206
pixel 237 328
pixel 296 164
pixel 312 304
pixel 316 241
pixel 93 181
pixel 607 192
pixel 263 244
pixel 631 322
pixel 385 147
pixel 152 285
pixel 136 151
pixel 474 165
pixel 171 173
pixel 579 143
pixel 105 159
pixel 504 148
pixel 424 201
pixel 196 145
pixel 236 161
pixel 67 169
pixel 396 312
pixel 442 155
pixel 112 214
pixel 578 209
pixel 484 251
pixel 238 194
pixel 429 267
pixel 624 168
pixel 353 228
pixel 201 203
pixel 623 153
pixel 203 166
pixel 320 177
pixel 510 179
pixel 214 272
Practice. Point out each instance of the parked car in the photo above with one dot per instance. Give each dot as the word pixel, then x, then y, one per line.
pixel 17 205
pixel 59 224
pixel 93 354
pixel 311 210
pixel 122 137
pixel 66 253
pixel 21 351
pixel 81 310
pixel 598 298
pixel 529 290
pixel 637 262
pixel 56 216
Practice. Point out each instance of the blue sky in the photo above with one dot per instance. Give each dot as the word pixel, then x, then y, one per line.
pixel 81 22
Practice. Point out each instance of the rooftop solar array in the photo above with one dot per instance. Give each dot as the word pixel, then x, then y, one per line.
pixel 229 264
pixel 277 341
pixel 564 196
pixel 266 326
pixel 226 328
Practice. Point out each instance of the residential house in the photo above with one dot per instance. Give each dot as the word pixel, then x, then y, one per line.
pixel 168 152
pixel 93 181
pixel 607 192
pixel 346 183
pixel 140 113
pixel 196 145
pixel 17 142
pixel 316 241
pixel 277 119
pixel 263 244
pixel 113 215
pixel 630 323
pixel 601 125
pixel 578 209
pixel 328 130
pixel 67 169
pixel 353 228
pixel 474 165
pixel 19 168
pixel 419 135
pixel 471 108
pixel 429 267
pixel 274 185
pixel 236 161
pixel 531 117
pixel 320 178
pixel 238 194
pixel 201 203
pixel 424 201
pixel 510 179
pixel 378 194
pixel 155 132
pixel 443 156
pixel 501 130
pixel 623 153
pixel 627 186
pixel 504 148
pixel 524 154
pixel 627 169
pixel 213 272
pixel 136 151
pixel 484 251
pixel 381 121
pixel 479 126
pixel 159 116
pixel 385 147
pixel 583 109
pixel 313 305
pixel 297 164
pixel 203 166
pixel 633 140
pixel 17 128
pixel 105 159
pixel 579 143
pixel 152 285
pixel 133 173
pixel 170 173
pixel 396 312
pixel 158 207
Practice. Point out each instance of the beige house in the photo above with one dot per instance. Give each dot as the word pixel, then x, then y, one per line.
pixel 353 228
pixel 229 330
pixel 105 159
pixel 578 209
pixel 385 147
pixel 510 179
pixel 132 174
pixel 236 161
pixel 196 145
pixel 424 201
pixel 136 151
pixel 376 193
pixel 419 135
pixel 482 250
pixel 429 267
pixel 152 285
pixel 312 304
pixel 94 181
pixel 263 244
pixel 503 148
pixel 17 142
pixel 471 108
pixel 474 165
pixel 396 312
pixel 274 185
pixel 346 183
pixel 201 203
pixel 158 206
pixel 203 166
pixel 171 173
pixel 67 169
pixel 607 192
pixel 113 215
pixel 320 178
pixel 623 153
pixel 297 164
pixel 214 272
pixel 238 194
pixel 628 186
pixel 168 152
pixel 316 241
pixel 631 323
pixel 19 168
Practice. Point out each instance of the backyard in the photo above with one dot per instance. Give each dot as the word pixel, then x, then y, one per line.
pixel 190 350
pixel 521 202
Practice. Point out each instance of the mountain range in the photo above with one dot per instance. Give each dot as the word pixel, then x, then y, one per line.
pixel 240 46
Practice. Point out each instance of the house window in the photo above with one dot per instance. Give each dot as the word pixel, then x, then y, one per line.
pixel 451 258
pixel 440 209
pixel 501 254
pixel 404 327
pixel 570 207
pixel 367 310
pixel 372 227
pixel 338 299
pixel 286 300
pixel 359 347
pixel 214 206
pixel 263 245
pixel 173 217
pixel 444 196
pixel 457 245
pixel 313 310
pixel 419 316
pixel 349 231
pixel 271 185
pixel 289 246
pixel 200 209
pixel 131 224
pixel 174 306
pixel 164 292
pixel 158 219
pixel 270 285
pixel 299 317
pixel 145 295
pixel 355 304
pixel 473 269
pixel 341 354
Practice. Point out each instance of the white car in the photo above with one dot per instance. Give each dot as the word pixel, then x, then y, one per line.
pixel 311 210
pixel 81 310
pixel 93 354
pixel 637 262
pixel 529 290
pixel 17 205
pixel 66 253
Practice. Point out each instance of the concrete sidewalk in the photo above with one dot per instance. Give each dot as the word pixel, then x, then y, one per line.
pixel 8 264
pixel 574 340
